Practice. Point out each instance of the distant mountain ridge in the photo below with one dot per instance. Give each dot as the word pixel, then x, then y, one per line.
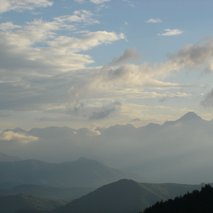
pixel 80 173
pixel 66 194
pixel 23 203
pixel 4 157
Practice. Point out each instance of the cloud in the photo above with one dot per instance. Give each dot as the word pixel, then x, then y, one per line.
pixel 97 2
pixel 47 73
pixel 17 5
pixel 154 21
pixel 123 78
pixel 208 100
pixel 89 110
pixel 41 42
pixel 7 26
pixel 105 111
pixel 171 32
pixel 129 54
pixel 196 56
pixel 10 135
pixel 79 16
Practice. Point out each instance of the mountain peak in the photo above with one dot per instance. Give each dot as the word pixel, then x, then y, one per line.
pixel 190 116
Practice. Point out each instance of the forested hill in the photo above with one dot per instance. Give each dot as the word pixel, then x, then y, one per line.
pixel 196 202
pixel 125 196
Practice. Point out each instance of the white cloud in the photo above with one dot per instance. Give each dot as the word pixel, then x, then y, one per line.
pixel 17 137
pixel 79 16
pixel 7 26
pixel 41 42
pixel 17 5
pixel 125 80
pixel 97 2
pixel 171 32
pixel 35 56
pixel 154 21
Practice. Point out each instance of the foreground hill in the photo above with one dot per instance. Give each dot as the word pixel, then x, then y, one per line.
pixel 124 196
pixel 22 203
pixel 194 202
pixel 82 173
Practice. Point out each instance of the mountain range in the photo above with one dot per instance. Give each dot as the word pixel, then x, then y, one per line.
pixel 80 173
pixel 175 151
pixel 65 194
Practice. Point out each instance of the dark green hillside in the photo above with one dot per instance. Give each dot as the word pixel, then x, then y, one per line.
pixel 196 202
pixel 168 190
pixel 125 196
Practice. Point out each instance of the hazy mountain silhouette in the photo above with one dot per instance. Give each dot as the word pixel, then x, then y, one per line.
pixel 196 202
pixel 19 203
pixel 188 118
pixel 82 173
pixel 4 157
pixel 124 196
pixel 43 191
pixel 168 152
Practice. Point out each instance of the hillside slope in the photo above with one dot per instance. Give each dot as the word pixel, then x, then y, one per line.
pixel 197 201
pixel 124 196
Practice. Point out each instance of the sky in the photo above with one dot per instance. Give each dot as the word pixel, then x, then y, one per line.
pixel 97 63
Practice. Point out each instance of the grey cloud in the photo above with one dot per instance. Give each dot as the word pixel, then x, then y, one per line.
pixel 89 111
pixel 36 93
pixel 129 54
pixel 197 55
pixel 208 101
pixel 17 61
pixel 105 111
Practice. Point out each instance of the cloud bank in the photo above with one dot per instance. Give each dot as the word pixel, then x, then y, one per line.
pixel 10 135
